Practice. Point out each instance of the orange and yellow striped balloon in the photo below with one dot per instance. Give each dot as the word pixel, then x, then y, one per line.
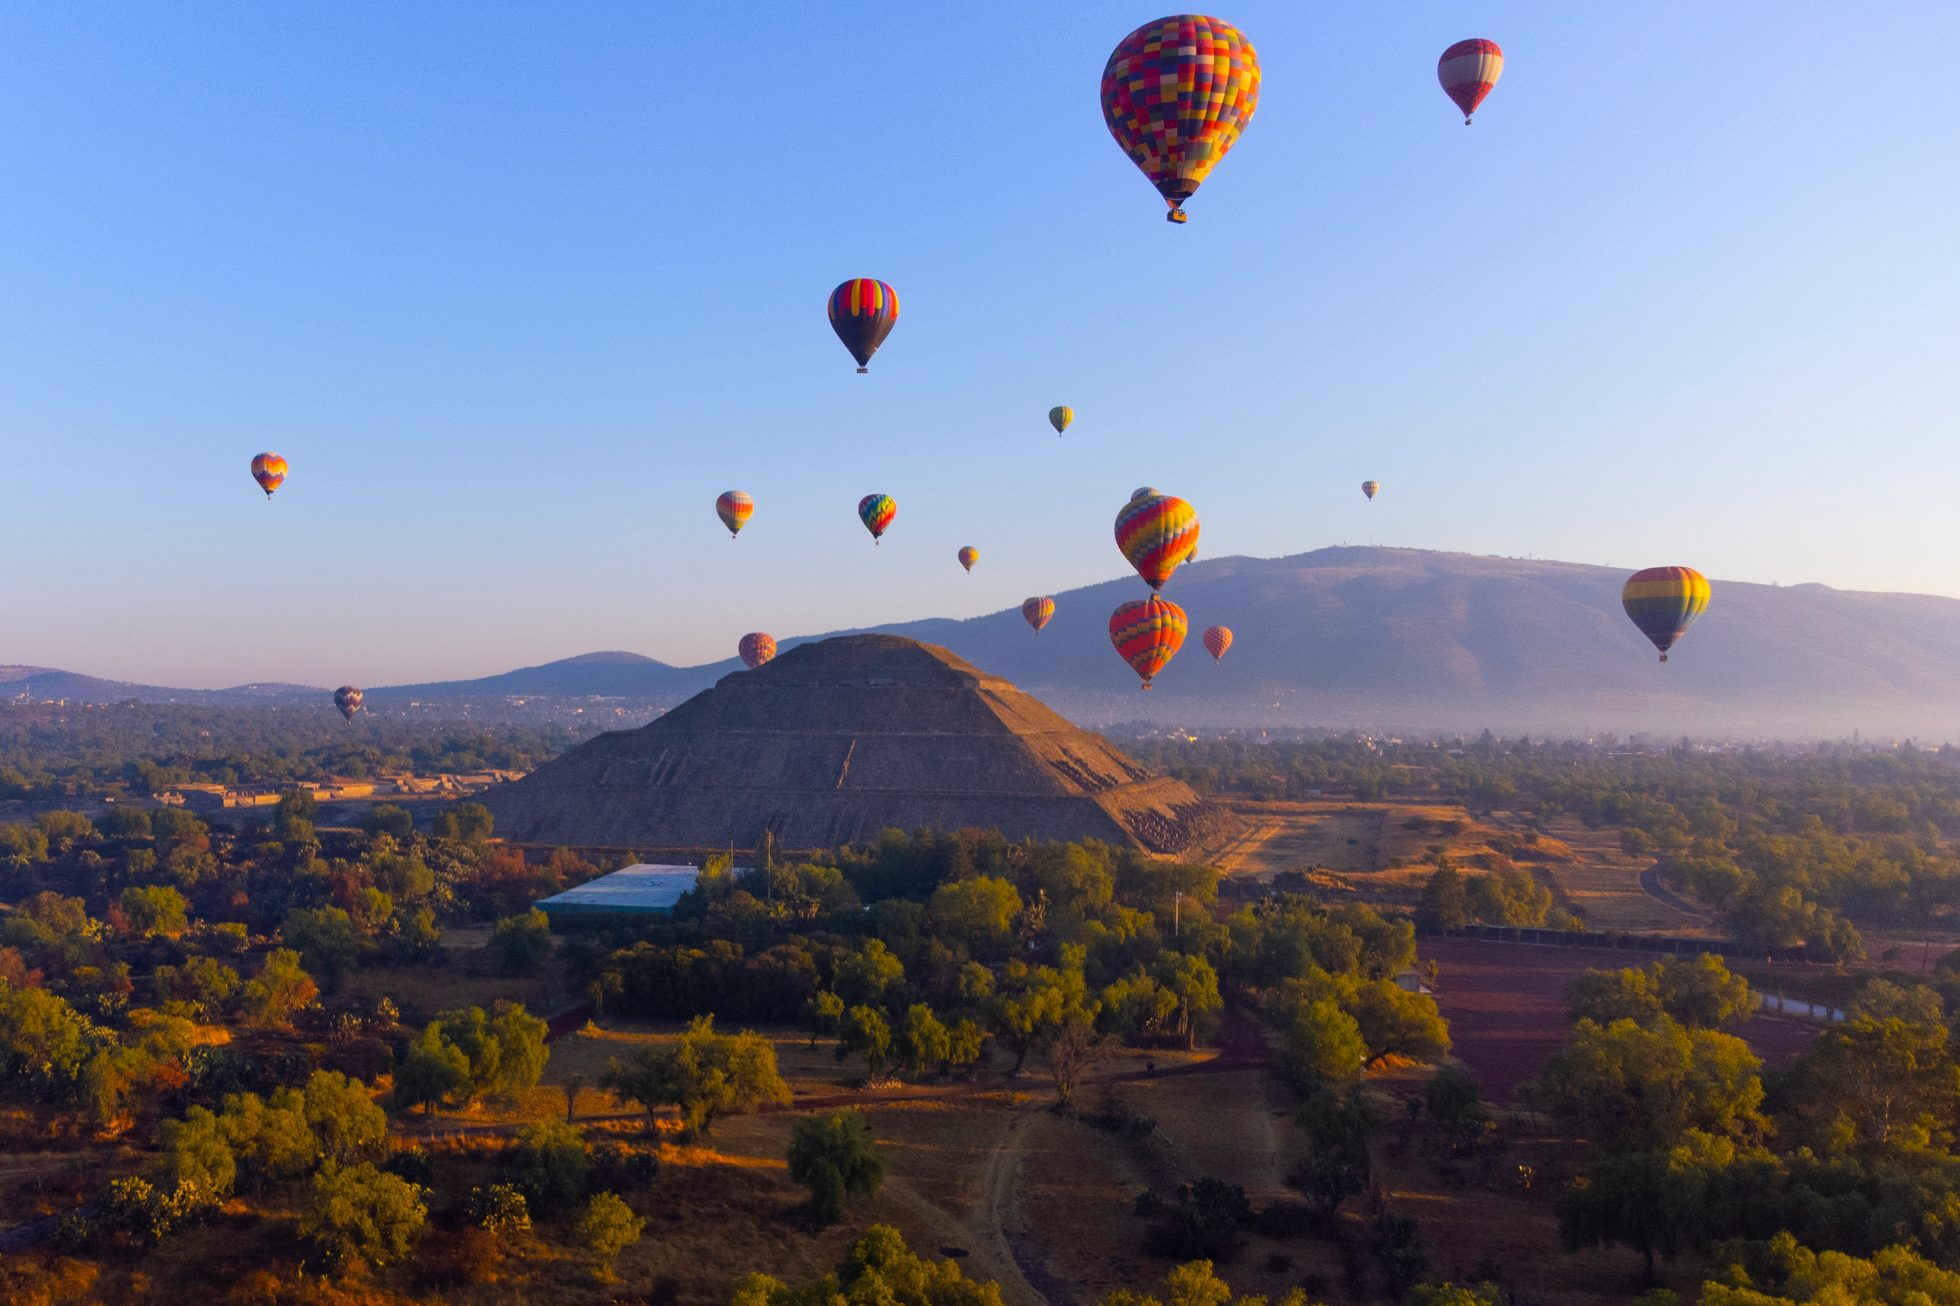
pixel 734 508
pixel 1148 633
pixel 1038 611
pixel 1664 601
pixel 1157 532
pixel 269 470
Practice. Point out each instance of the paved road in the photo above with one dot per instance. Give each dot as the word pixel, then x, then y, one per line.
pixel 1650 880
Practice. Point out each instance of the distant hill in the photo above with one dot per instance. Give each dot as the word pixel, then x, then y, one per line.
pixel 39 684
pixel 1380 638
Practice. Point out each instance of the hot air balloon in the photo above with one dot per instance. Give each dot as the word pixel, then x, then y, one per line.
pixel 1038 612
pixel 269 470
pixel 1156 533
pixel 1467 71
pixel 1664 602
pixel 1371 488
pixel 968 556
pixel 734 508
pixel 1060 416
pixel 1148 633
pixel 862 313
pixel 756 648
pixel 1217 640
pixel 1142 492
pixel 1176 93
pixel 348 700
pixel 876 512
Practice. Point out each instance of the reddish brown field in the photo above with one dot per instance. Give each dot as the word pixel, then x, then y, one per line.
pixel 1506 1006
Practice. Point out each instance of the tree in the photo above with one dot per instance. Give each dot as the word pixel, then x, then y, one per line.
pixel 1702 993
pixel 978 912
pixel 1133 1005
pixel 292 818
pixel 1876 1084
pixel 520 945
pixel 1397 1022
pixel 1191 979
pixel 194 1157
pixel 155 911
pixel 834 1157
pixel 1783 1271
pixel 270 1136
pixel 1639 1199
pixel 877 1268
pixel 864 1032
pixel 348 1124
pixel 498 1209
pixel 704 1074
pixel 388 819
pixel 823 1013
pixel 363 1214
pixel 432 1072
pixel 608 1227
pixel 867 975
pixel 503 1050
pixel 1071 1048
pixel 922 1041
pixel 1322 1043
pixel 328 943
pixel 1604 996
pixel 468 823
pixel 1445 901
pixel 1337 1165
pixel 1631 1087
pixel 549 1165
pixel 203 983
pixel 278 992
pixel 1456 1294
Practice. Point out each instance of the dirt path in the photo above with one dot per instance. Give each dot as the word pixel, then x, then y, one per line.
pixel 1650 883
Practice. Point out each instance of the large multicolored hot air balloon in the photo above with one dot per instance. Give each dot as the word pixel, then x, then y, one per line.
pixel 1176 93
pixel 348 700
pixel 968 556
pixel 876 512
pixel 756 648
pixel 269 470
pixel 1060 416
pixel 1156 533
pixel 1142 492
pixel 1148 633
pixel 1038 612
pixel 1664 602
pixel 1371 488
pixel 1217 640
pixel 734 508
pixel 862 313
pixel 1467 71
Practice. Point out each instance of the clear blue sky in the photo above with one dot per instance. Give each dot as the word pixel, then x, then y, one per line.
pixel 518 289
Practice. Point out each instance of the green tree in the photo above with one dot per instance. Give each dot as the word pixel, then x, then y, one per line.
pixel 360 1214
pixel 1702 993
pixel 834 1156
pixel 864 1032
pixel 704 1074
pixel 1783 1271
pixel 866 977
pixel 432 1072
pixel 922 1041
pixel 391 820
pixel 292 818
pixel 1397 1022
pixel 346 1122
pixel 1445 901
pixel 549 1165
pixel 270 1136
pixel 1322 1044
pixel 520 945
pixel 1192 981
pixel 194 1157
pixel 1336 1123
pixel 1875 1085
pixel 202 982
pixel 1630 1087
pixel 468 823
pixel 280 990
pixel 155 911
pixel 877 1268
pixel 498 1209
pixel 978 912
pixel 608 1227
pixel 328 943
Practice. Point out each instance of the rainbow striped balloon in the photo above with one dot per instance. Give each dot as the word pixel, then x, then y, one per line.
pixel 1148 633
pixel 1038 612
pixel 968 556
pixel 876 512
pixel 1176 93
pixel 1217 640
pixel 756 648
pixel 1467 71
pixel 269 470
pixel 1156 533
pixel 862 313
pixel 1664 601
pixel 734 508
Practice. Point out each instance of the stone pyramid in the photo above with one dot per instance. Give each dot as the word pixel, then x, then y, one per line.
pixel 836 740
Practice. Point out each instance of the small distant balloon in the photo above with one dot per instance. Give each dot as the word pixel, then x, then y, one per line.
pixel 1148 633
pixel 876 512
pixel 862 313
pixel 1142 492
pixel 269 470
pixel 1176 93
pixel 1664 601
pixel 968 556
pixel 1060 416
pixel 1038 612
pixel 756 648
pixel 1371 488
pixel 348 700
pixel 734 508
pixel 1156 533
pixel 1217 640
pixel 1467 71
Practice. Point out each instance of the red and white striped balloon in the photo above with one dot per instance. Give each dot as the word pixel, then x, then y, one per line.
pixel 1467 71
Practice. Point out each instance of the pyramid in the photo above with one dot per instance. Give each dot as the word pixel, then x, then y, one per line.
pixel 834 741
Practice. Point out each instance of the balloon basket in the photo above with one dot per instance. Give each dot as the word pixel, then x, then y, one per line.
pixel 863 370
pixel 1178 216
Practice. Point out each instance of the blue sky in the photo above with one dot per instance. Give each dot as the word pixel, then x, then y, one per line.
pixel 518 289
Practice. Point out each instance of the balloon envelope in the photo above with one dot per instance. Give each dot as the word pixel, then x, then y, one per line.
pixel 1467 71
pixel 1217 640
pixel 1371 488
pixel 756 648
pixel 1176 94
pixel 1060 416
pixel 1142 492
pixel 862 313
pixel 1038 612
pixel 1148 633
pixel 1156 533
pixel 348 700
pixel 876 512
pixel 734 508
pixel 968 556
pixel 1664 601
pixel 269 470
